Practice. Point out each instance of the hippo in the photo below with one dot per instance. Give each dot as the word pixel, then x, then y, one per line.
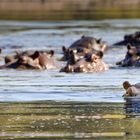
pixel 132 57
pixel 90 63
pixel 131 90
pixel 16 55
pixel 90 42
pixel 133 39
pixel 19 61
pixel 12 58
pixel 37 60
pixel 46 60
pixel 84 45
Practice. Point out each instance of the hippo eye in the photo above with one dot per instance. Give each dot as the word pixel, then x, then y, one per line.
pixel 128 46
pixel 99 41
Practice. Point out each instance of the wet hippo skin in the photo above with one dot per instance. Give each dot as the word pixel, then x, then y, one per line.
pixel 83 46
pixel 37 60
pixel 132 57
pixel 133 39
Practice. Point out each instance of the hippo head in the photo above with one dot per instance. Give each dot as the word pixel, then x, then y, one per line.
pixel 132 50
pixel 93 43
pixel 97 45
pixel 72 54
pixel 38 60
pixel 66 53
pixel 50 53
pixel 46 60
pixel 73 57
pixel 133 53
pixel 132 38
pixel 132 57
pixel 94 57
pixel 29 61
pixel 101 45
pixel 127 86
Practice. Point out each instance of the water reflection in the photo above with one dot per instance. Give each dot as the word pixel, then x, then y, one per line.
pixel 68 120
pixel 65 120
pixel 132 107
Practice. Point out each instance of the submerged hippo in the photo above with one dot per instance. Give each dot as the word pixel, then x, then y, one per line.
pixel 37 60
pixel 132 57
pixel 90 63
pixel 133 39
pixel 90 42
pixel 131 90
pixel 85 45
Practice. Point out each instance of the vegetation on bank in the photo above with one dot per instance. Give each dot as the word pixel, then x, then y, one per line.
pixel 68 9
pixel 70 15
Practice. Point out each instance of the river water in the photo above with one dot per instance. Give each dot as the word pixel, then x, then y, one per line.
pixel 52 105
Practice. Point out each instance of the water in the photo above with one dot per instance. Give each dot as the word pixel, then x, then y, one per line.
pixel 68 120
pixel 51 105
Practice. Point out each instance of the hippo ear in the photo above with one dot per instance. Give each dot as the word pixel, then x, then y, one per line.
pixel 99 40
pixel 64 48
pixel 51 52
pixel 83 36
pixel 35 55
pixel 129 46
pixel 88 57
pixel 126 37
pixel 126 85
pixel 17 54
pixel 104 48
pixel 71 52
pixel 100 54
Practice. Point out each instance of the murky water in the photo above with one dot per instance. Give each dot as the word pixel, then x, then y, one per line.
pixel 52 105
pixel 69 120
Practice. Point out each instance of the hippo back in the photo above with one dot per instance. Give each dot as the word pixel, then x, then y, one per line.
pixel 90 43
pixel 85 42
